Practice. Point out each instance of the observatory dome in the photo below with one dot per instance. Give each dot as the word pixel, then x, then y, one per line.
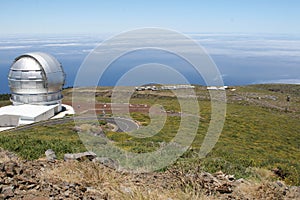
pixel 36 78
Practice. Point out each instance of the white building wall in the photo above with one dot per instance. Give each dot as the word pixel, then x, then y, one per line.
pixel 9 120
pixel 46 115
pixel 26 114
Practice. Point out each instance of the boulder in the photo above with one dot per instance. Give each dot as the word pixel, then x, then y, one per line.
pixel 108 162
pixel 80 156
pixel 50 155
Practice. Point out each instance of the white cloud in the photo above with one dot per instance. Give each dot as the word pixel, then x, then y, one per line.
pixel 62 44
pixel 233 45
pixel 284 81
pixel 14 47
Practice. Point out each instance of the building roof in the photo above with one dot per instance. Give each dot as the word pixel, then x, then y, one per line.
pixel 51 69
pixel 26 110
pixel 44 60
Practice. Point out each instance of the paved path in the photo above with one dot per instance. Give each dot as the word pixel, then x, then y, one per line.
pixel 124 125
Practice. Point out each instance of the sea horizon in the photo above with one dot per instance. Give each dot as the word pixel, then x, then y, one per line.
pixel 242 58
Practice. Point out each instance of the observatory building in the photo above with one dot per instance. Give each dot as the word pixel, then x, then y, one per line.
pixel 36 81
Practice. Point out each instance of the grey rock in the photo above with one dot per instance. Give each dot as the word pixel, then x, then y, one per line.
pixel 209 178
pixel 230 177
pixel 50 155
pixel 108 162
pixel 7 192
pixel 10 169
pixel 80 156
pixel 279 183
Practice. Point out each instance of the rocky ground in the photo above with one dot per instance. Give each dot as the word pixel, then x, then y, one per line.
pixel 80 178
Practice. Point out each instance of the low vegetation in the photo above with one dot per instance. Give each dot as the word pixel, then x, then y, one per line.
pixel 32 143
pixel 261 132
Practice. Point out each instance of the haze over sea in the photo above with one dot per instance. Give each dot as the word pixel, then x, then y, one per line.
pixel 241 58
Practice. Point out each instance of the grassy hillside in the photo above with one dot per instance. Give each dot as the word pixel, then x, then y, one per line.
pixel 262 130
pixel 32 143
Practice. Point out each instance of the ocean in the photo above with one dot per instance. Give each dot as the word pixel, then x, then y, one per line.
pixel 242 59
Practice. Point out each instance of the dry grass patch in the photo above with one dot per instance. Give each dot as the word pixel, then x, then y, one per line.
pixel 117 185
pixel 265 190
pixel 87 173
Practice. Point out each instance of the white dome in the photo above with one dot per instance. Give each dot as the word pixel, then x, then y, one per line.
pixel 36 78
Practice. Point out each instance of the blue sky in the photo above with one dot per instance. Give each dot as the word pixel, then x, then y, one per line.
pixel 98 16
pixel 251 41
